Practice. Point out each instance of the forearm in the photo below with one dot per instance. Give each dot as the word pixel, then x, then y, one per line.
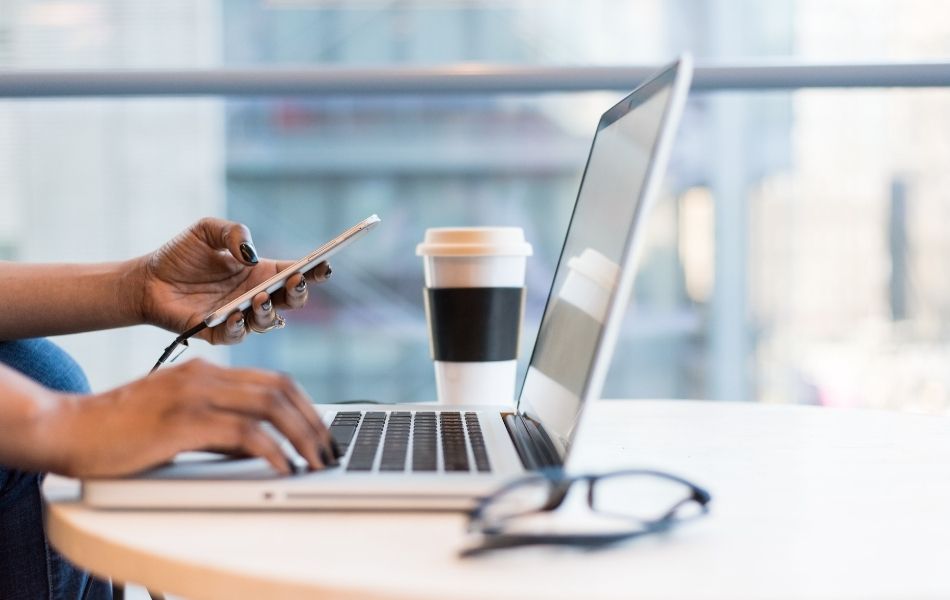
pixel 54 299
pixel 26 410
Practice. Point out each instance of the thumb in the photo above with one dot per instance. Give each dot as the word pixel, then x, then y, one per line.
pixel 234 237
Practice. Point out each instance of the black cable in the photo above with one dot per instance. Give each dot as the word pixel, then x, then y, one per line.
pixel 181 340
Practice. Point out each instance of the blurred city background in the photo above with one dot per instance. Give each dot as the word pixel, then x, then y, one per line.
pixel 797 256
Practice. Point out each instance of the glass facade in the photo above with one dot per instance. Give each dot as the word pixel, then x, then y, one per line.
pixel 796 255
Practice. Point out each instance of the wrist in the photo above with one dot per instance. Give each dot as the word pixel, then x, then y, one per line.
pixel 44 430
pixel 57 423
pixel 134 291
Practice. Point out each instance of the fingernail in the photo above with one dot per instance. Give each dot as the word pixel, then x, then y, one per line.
pixel 249 253
pixel 328 458
pixel 291 467
pixel 337 453
pixel 239 324
pixel 329 272
pixel 267 305
pixel 301 286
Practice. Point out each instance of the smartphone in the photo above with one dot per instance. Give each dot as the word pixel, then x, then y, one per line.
pixel 303 265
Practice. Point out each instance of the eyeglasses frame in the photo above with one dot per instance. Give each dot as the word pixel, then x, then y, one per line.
pixel 560 486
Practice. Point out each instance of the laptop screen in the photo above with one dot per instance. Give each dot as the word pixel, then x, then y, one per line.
pixel 595 249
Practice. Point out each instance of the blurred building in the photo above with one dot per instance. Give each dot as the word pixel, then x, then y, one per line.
pixel 100 180
pixel 312 167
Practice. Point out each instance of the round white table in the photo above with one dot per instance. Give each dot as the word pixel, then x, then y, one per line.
pixel 807 502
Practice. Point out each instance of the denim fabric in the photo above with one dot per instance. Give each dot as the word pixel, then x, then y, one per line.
pixel 29 567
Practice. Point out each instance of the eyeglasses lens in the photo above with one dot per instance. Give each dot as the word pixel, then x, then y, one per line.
pixel 529 496
pixel 641 497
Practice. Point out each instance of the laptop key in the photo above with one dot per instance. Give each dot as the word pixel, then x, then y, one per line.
pixel 424 438
pixel 396 445
pixel 479 452
pixel 366 442
pixel 454 455
pixel 342 434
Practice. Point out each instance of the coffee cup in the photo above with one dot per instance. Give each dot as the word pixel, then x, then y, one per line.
pixel 474 303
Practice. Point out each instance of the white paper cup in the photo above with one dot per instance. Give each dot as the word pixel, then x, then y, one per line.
pixel 474 299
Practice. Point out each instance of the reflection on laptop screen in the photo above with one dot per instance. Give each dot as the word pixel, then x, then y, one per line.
pixel 587 273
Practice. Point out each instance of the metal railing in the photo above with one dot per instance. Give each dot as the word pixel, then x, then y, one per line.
pixel 453 79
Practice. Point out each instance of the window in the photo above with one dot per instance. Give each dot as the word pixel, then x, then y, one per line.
pixel 796 256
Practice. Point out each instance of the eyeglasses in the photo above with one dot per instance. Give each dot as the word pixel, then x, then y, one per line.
pixel 620 505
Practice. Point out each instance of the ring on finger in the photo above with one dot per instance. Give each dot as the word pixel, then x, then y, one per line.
pixel 278 323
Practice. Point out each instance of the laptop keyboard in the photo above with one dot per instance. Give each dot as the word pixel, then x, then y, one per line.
pixel 419 441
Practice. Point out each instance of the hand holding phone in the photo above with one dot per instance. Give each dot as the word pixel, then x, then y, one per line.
pixel 276 282
pixel 243 302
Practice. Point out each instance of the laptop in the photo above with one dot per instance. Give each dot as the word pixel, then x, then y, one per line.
pixel 426 456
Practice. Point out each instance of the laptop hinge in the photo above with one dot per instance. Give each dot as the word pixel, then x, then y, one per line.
pixel 533 444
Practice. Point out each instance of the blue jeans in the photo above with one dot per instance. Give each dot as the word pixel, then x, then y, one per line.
pixel 29 567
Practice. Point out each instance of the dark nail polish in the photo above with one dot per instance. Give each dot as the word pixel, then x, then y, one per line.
pixel 291 466
pixel 249 253
pixel 239 325
pixel 327 458
pixel 337 453
pixel 267 305
pixel 301 286
pixel 329 272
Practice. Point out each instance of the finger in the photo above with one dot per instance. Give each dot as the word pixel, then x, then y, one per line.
pixel 318 274
pixel 231 331
pixel 263 311
pixel 305 407
pixel 270 403
pixel 295 291
pixel 300 401
pixel 228 235
pixel 241 434
pixel 290 298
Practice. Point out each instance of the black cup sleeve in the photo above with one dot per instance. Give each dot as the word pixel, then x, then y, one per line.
pixel 474 324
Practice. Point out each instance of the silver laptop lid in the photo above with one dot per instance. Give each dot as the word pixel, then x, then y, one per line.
pixel 594 276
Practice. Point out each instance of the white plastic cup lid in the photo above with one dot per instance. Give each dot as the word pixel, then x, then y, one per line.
pixel 474 241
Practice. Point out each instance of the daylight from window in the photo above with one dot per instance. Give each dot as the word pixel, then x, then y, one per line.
pixel 797 254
